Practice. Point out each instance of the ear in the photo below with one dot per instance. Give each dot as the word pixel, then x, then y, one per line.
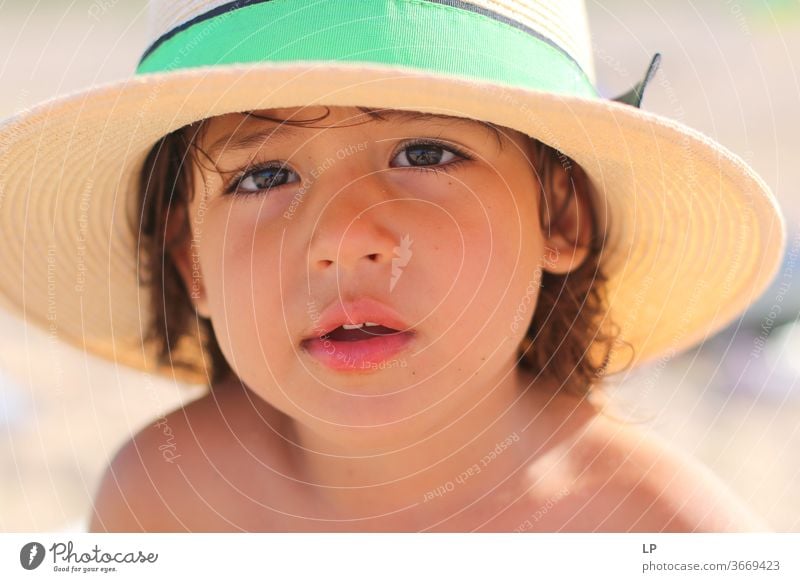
pixel 186 258
pixel 568 218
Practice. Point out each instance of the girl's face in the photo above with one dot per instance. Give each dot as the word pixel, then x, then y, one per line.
pixel 435 219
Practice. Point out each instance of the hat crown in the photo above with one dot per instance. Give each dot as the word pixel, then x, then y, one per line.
pixel 563 22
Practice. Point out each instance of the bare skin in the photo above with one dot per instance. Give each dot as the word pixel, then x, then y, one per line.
pixel 580 472
pixel 460 439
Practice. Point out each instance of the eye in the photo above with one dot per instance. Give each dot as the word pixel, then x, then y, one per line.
pixel 262 179
pixel 426 154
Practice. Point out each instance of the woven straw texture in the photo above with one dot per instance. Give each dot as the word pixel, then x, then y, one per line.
pixel 695 235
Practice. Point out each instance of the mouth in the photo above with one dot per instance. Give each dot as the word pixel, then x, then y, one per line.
pixel 361 335
pixel 356 333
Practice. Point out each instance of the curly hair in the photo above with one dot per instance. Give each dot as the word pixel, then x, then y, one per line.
pixel 566 341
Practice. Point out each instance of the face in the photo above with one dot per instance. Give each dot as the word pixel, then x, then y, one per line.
pixel 426 226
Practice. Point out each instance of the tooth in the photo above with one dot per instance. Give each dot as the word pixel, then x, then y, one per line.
pixel 370 324
pixel 356 326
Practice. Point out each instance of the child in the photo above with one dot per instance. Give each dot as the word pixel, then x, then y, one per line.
pixel 348 224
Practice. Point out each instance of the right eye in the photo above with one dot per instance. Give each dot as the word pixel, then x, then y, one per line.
pixel 262 179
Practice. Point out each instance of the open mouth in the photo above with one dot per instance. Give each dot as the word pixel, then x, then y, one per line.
pixel 355 334
pixel 360 348
pixel 360 335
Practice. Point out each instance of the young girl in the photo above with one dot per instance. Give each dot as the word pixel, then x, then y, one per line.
pixel 403 243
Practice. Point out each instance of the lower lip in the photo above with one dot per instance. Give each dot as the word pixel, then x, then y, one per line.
pixel 359 356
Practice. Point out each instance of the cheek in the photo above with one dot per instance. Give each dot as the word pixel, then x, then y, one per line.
pixel 525 282
pixel 500 280
pixel 240 271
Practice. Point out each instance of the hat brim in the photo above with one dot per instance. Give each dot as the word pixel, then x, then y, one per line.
pixel 695 235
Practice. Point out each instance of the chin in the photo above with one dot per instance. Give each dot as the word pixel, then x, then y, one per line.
pixel 384 416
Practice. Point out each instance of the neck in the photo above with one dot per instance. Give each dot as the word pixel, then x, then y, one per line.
pixel 476 464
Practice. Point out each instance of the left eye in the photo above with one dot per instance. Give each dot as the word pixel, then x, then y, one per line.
pixel 264 179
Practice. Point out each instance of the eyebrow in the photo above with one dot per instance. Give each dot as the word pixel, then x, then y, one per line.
pixel 283 131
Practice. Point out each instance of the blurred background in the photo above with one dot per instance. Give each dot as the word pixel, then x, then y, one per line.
pixel 730 68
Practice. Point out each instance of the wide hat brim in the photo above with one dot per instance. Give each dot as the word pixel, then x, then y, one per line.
pixel 694 234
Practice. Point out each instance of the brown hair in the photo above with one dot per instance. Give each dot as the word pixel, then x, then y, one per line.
pixel 569 318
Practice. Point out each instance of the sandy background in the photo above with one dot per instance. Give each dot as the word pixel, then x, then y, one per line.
pixel 730 69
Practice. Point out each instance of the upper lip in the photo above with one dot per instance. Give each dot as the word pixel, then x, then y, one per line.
pixel 356 311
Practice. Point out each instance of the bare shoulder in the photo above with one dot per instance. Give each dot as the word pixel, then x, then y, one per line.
pixel 636 481
pixel 138 491
pixel 191 470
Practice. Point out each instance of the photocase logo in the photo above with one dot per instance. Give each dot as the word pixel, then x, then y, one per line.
pixel 31 555
pixel 403 253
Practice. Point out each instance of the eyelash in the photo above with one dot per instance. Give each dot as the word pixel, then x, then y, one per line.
pixel 233 188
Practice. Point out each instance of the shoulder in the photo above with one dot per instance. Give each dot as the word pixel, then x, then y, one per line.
pixel 190 470
pixel 139 490
pixel 636 481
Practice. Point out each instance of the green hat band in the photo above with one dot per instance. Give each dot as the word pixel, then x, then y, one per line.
pixel 438 36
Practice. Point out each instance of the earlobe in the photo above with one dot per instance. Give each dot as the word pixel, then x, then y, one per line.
pixel 562 257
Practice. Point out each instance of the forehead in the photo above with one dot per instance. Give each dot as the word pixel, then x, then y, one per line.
pixel 243 130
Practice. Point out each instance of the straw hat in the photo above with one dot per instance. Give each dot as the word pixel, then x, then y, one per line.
pixel 696 234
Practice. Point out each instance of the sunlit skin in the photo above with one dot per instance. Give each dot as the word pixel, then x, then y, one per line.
pixel 474 255
pixel 288 444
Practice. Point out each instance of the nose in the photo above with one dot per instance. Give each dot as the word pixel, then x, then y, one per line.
pixel 354 227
